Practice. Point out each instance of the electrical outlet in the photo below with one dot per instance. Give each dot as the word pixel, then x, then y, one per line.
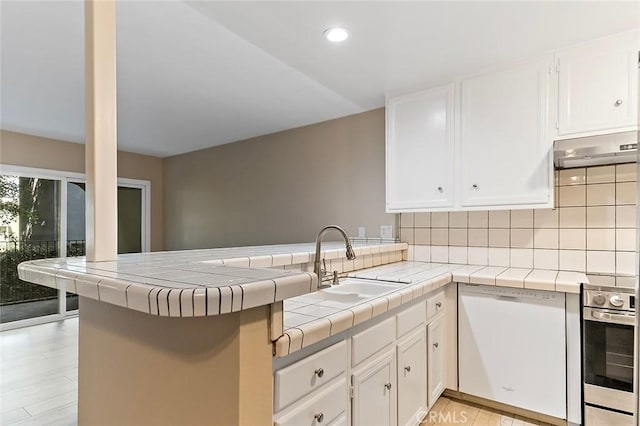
pixel 386 231
pixel 361 232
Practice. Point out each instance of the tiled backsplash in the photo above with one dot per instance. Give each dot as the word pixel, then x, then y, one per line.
pixel 343 264
pixel 592 229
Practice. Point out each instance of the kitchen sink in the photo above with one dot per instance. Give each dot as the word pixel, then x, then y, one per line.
pixel 361 287
pixel 343 298
pixel 353 290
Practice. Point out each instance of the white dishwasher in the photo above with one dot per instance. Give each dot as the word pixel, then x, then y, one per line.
pixel 512 347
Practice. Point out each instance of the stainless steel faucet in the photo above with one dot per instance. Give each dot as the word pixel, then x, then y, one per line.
pixel 317 268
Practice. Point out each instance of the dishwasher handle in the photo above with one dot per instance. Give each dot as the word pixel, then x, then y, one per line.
pixel 507 297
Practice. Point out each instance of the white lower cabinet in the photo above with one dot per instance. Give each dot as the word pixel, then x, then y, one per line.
pixel 325 407
pixel 412 378
pixel 390 371
pixel 374 393
pixel 340 421
pixel 299 379
pixel 373 340
pixel 435 305
pixel 436 351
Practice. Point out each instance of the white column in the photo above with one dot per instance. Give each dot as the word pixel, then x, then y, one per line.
pixel 100 130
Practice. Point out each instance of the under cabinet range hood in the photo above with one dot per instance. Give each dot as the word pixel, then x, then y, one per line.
pixel 613 148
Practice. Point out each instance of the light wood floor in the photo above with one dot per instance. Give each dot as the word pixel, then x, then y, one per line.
pixel 39 374
pixel 453 412
pixel 39 383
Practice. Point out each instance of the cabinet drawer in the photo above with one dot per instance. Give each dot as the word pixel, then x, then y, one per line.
pixel 410 318
pixel 340 421
pixel 373 339
pixel 595 416
pixel 435 304
pixel 328 407
pixel 297 380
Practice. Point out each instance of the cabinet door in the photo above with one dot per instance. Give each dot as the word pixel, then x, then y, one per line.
pixel 412 378
pixel 436 359
pixel 374 392
pixel 506 156
pixel 420 160
pixel 598 86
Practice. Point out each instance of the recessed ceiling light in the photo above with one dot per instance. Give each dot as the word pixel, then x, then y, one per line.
pixel 336 34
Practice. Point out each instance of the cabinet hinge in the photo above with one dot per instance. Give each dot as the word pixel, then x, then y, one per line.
pixel 351 392
pixel 557 125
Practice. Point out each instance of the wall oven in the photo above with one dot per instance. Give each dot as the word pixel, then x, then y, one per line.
pixel 608 355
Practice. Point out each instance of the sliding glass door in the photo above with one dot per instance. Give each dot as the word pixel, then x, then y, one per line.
pixel 75 244
pixel 29 213
pixel 37 208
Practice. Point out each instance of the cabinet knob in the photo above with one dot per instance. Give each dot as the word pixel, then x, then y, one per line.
pixel 618 102
pixel 476 187
pixel 319 417
pixel 435 345
pixel 438 304
pixel 407 369
pixel 319 372
pixel 440 189
pixel 388 386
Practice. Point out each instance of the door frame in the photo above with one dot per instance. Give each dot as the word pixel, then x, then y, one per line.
pixel 145 187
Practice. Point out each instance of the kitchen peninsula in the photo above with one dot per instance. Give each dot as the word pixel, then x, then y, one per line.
pixel 185 337
pixel 190 336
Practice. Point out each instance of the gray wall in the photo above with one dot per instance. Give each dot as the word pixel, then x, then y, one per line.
pixel 279 188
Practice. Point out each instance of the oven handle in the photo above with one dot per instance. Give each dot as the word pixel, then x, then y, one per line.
pixel 592 314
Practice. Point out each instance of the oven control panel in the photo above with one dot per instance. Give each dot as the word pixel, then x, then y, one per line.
pixel 609 297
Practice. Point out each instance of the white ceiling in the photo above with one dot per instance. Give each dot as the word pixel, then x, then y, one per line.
pixel 197 74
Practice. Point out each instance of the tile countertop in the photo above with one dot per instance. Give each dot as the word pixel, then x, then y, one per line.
pixel 192 283
pixel 309 320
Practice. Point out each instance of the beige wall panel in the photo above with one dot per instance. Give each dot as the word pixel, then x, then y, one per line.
pixel 279 188
pixel 19 149
pixel 173 371
pixel 255 360
pixel 24 150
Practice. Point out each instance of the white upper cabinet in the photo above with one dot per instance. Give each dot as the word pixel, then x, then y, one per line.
pixel 420 150
pixel 598 86
pixel 505 151
pixel 490 145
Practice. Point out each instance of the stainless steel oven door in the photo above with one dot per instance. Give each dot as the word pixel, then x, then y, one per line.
pixel 608 359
